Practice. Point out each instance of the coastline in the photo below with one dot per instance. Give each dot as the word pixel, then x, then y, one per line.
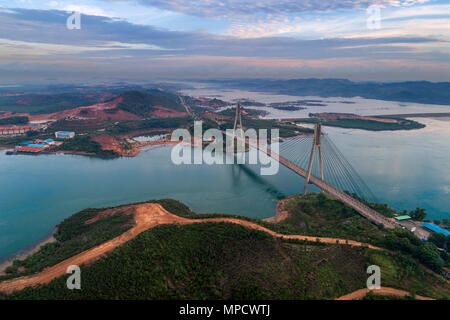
pixel 24 253
pixel 280 212
pixel 280 215
pixel 6 147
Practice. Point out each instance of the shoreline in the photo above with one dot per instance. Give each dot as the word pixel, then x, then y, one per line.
pixel 6 147
pixel 7 261
pixel 22 254
pixel 280 212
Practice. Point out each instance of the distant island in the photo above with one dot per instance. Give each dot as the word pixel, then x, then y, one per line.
pixel 354 121
pixel 408 91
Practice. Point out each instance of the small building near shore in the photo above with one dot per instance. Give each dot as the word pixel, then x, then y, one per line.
pixel 403 217
pixel 64 134
pixel 435 228
pixel 50 142
pixel 31 148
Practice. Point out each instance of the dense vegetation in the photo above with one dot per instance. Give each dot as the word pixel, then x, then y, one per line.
pixel 322 215
pixel 14 120
pixel 47 103
pixel 227 261
pixel 213 103
pixel 231 112
pixel 214 261
pixel 141 103
pixel 370 125
pixel 79 126
pixel 124 127
pixel 73 236
pixel 85 144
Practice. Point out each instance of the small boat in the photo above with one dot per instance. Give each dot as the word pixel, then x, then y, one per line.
pixel 10 152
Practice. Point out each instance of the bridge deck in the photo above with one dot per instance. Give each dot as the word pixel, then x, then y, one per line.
pixel 341 196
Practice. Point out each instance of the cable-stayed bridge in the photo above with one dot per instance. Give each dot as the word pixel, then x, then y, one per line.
pixel 317 159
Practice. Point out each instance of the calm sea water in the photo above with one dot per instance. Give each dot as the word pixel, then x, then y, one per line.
pixel 404 169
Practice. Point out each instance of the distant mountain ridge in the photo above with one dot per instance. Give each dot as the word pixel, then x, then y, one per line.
pixel 408 91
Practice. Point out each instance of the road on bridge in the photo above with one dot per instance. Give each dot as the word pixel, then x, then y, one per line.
pixel 341 196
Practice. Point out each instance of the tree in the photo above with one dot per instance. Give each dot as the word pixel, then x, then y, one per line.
pixel 418 214
pixel 439 240
pixel 32 133
pixel 430 256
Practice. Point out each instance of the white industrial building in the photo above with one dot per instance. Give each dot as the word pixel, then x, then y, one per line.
pixel 64 134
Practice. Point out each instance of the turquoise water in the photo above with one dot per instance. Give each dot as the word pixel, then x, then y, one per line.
pixel 405 170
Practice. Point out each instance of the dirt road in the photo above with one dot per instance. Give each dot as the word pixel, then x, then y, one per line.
pixel 146 216
pixel 385 291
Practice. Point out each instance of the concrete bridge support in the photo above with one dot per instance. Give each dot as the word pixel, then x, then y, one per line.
pixel 317 144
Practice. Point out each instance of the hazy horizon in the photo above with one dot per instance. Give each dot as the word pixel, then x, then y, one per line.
pixel 360 40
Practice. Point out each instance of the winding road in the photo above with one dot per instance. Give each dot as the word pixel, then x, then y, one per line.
pixel 146 216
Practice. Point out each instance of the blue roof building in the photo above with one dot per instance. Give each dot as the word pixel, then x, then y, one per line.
pixel 435 228
pixel 37 145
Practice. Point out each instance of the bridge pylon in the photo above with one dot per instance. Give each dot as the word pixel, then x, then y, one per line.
pixel 237 117
pixel 317 144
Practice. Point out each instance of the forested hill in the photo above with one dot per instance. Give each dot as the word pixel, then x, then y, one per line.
pixel 142 103
pixel 409 91
pixel 216 260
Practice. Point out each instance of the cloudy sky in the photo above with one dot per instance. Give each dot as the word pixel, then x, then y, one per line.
pixel 147 39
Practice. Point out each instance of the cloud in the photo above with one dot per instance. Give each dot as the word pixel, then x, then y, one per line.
pixel 89 10
pixel 49 27
pixel 38 41
pixel 230 8
pixel 421 20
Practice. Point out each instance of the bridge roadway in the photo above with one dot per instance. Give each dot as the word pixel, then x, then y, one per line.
pixel 341 196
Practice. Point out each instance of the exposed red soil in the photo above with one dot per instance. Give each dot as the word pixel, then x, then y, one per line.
pixel 281 212
pixel 24 101
pixel 162 112
pixel 108 142
pixel 117 115
pixel 8 114
pixel 96 111
pixel 76 111
pixel 385 291
pixel 146 216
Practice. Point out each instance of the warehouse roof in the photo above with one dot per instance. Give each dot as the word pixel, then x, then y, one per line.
pixel 404 217
pixel 39 146
pixel 436 228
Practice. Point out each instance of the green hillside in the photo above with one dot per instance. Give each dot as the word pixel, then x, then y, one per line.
pixel 141 103
pixel 225 261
